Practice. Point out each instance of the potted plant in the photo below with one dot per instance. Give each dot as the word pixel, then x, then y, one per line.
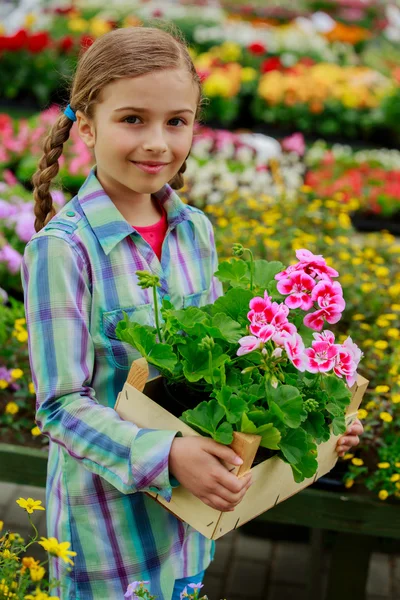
pixel 257 361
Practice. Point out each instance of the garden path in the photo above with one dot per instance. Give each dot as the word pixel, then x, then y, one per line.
pixel 245 568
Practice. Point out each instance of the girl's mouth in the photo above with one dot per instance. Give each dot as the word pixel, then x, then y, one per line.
pixel 150 168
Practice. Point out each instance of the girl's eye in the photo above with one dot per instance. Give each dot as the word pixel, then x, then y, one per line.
pixel 132 117
pixel 175 119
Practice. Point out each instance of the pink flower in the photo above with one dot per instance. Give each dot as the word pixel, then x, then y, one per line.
pixel 25 227
pixel 354 350
pixel 325 336
pixel 269 320
pixel 321 357
pixel 248 343
pixel 11 257
pixel 294 347
pixel 317 319
pixel 328 294
pixel 294 143
pixel 297 286
pixel 312 264
pixel 345 366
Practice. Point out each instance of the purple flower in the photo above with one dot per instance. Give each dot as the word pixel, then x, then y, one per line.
pixel 132 587
pixel 7 210
pixel 11 257
pixel 196 586
pixel 4 374
pixel 25 227
pixel 184 594
pixel 3 296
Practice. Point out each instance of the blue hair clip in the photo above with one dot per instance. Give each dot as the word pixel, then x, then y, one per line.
pixel 70 113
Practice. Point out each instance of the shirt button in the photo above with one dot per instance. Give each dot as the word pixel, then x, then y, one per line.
pixel 70 213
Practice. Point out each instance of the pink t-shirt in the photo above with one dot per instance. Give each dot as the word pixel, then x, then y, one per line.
pixel 155 234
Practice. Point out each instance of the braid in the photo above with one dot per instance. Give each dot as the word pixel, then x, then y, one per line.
pixel 47 170
pixel 177 181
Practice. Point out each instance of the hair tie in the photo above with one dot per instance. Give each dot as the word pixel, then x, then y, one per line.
pixel 69 112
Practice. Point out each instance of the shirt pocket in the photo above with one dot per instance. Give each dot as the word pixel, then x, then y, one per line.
pixel 198 299
pixel 121 353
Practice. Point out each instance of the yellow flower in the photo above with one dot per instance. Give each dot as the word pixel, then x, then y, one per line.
pixel 349 483
pixel 347 456
pixel 381 322
pixel 358 462
pixel 3 384
pixel 19 323
pixel 98 27
pixel 358 317
pixel 30 504
pixel 362 413
pixel 395 477
pixel 77 24
pixel 395 307
pixel 383 494
pixel 387 417
pixel 222 222
pixel 56 548
pixel 230 52
pixel 29 561
pixel 36 431
pixel 37 573
pixel 396 398
pixel 16 373
pixel 381 344
pixel 371 405
pixel 397 465
pixel 367 287
pixel 6 554
pixel 22 336
pixel 11 408
pixel 393 333
pixel 383 465
pixel 382 389
pixel 248 74
pixel 306 189
pixel 31 388
pixel 1 525
pixel 382 271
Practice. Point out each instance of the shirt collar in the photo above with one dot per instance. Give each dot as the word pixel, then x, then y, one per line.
pixel 107 222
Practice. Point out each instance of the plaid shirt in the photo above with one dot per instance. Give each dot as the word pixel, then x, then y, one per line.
pixel 78 276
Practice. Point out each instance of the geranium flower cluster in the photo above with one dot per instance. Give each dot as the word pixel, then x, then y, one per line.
pixel 307 284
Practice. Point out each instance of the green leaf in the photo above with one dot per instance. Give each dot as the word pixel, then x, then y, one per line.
pixel 233 406
pixel 206 418
pixel 294 445
pixel 246 425
pixel 190 316
pixel 143 338
pixel 264 272
pixel 337 390
pixel 316 427
pixel 196 364
pixel 306 467
pixel 290 403
pixel 236 272
pixel 270 436
pixel 235 304
pixel 230 330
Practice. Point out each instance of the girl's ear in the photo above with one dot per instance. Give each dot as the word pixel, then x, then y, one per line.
pixel 85 129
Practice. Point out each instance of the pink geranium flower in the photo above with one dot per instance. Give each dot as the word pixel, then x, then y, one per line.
pixel 325 336
pixel 295 350
pixel 327 294
pixel 345 366
pixel 248 343
pixel 321 357
pixel 354 350
pixel 298 286
pixel 312 264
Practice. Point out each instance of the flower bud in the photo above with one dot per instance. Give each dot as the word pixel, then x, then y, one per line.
pixel 147 280
pixel 237 249
pixel 207 343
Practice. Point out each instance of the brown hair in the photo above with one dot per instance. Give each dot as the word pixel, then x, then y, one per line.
pixel 122 53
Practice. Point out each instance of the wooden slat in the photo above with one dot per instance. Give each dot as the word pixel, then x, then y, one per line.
pixel 23 465
pixel 138 374
pixel 351 513
pixel 245 445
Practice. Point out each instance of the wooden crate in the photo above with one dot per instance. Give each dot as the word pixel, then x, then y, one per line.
pixel 272 480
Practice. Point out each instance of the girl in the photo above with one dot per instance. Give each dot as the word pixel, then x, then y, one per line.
pixel 135 98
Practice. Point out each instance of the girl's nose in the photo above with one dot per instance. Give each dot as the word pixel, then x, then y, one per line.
pixel 155 142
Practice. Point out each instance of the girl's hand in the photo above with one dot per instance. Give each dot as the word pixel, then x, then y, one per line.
pixel 195 462
pixel 350 438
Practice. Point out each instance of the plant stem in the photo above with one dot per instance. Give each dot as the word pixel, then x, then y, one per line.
pixel 251 268
pixel 156 313
pixel 210 366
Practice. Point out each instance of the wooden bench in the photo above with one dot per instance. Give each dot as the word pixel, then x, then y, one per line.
pixel 359 523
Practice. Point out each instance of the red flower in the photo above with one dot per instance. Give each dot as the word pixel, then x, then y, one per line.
pixel 17 41
pixel 307 61
pixel 86 41
pixel 38 42
pixel 271 64
pixel 257 48
pixel 66 43
pixel 5 122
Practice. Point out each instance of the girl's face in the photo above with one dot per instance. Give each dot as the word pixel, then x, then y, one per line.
pixel 142 131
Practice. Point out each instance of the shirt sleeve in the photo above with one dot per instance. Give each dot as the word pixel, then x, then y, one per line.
pixel 57 297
